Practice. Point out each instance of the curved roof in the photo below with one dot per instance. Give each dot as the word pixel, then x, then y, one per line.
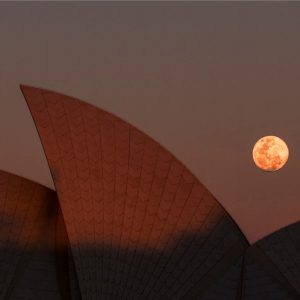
pixel 205 81
pixel 124 195
pixel 268 269
pixel 33 242
pixel 276 261
pixel 36 262
pixel 134 222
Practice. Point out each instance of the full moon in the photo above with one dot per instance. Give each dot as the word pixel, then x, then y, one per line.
pixel 270 153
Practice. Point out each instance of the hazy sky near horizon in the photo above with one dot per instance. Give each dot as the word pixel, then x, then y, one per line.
pixel 205 80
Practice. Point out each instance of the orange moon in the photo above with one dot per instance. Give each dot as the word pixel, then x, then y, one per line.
pixel 270 153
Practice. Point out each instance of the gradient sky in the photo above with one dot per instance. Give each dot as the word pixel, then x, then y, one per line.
pixel 206 80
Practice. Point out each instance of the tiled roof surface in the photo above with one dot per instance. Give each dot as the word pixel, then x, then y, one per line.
pixel 28 214
pixel 140 224
pixel 133 222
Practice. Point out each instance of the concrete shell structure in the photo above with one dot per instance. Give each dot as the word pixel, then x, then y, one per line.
pixel 140 224
pixel 33 242
pixel 133 222
pixel 272 266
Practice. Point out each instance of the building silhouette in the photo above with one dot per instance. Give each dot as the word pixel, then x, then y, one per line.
pixel 127 221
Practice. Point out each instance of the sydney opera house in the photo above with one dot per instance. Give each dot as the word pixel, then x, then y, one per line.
pixel 129 176
pixel 128 221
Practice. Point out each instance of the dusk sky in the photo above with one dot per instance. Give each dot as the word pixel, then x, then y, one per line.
pixel 205 80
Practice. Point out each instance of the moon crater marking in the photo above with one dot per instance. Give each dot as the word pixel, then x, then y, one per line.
pixel 270 153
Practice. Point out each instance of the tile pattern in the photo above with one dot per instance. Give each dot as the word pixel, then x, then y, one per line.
pixel 140 225
pixel 27 240
pixel 260 283
pixel 283 249
pixel 272 269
